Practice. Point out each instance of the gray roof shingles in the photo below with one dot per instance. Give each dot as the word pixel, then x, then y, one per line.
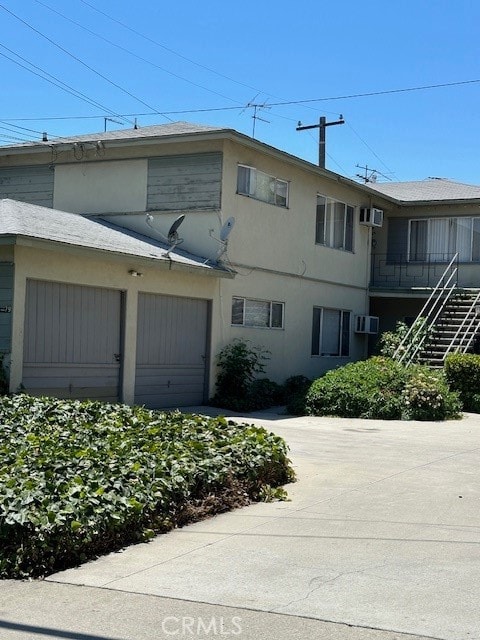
pixel 433 189
pixel 153 131
pixel 34 221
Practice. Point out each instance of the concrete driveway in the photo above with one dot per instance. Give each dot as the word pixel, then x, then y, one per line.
pixel 381 538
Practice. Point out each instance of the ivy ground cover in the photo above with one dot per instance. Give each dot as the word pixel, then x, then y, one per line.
pixel 78 479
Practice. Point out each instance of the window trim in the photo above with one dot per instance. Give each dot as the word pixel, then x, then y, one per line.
pixel 255 326
pixel 277 180
pixel 342 328
pixel 331 215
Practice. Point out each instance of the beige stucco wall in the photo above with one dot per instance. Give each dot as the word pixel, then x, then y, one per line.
pixel 101 187
pixel 90 269
pixel 271 248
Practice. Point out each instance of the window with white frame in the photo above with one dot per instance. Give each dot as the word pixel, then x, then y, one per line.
pixel 334 223
pixel 438 239
pixel 257 313
pixel 261 186
pixel 330 332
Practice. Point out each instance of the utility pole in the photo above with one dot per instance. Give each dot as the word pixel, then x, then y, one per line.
pixel 321 126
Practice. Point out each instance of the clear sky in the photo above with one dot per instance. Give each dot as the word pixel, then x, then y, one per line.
pixel 210 59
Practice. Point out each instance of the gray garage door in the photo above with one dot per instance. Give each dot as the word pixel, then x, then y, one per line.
pixel 171 351
pixel 72 341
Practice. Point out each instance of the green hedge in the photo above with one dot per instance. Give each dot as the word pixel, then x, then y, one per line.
pixel 462 372
pixel 383 389
pixel 82 478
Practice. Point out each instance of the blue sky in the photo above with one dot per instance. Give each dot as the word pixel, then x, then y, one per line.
pixel 216 57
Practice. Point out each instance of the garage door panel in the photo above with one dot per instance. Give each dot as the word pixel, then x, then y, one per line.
pixel 171 351
pixel 72 341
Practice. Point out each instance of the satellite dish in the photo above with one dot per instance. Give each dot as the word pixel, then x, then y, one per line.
pixel 227 228
pixel 172 237
pixel 172 232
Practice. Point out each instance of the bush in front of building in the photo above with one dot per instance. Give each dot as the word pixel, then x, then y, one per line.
pixel 381 388
pixel 295 391
pixel 78 479
pixel 462 371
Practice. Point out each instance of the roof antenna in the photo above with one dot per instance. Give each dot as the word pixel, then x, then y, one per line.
pixel 172 238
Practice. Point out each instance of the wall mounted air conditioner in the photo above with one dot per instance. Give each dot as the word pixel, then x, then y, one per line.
pixel 371 217
pixel 366 324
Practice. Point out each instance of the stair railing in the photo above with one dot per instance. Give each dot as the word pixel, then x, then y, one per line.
pixel 431 310
pixel 465 330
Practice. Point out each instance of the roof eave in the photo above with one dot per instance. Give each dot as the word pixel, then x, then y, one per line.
pixel 164 264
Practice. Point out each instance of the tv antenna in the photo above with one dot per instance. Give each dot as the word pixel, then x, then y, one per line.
pixel 106 119
pixel 370 175
pixel 256 107
pixel 172 238
pixel 225 232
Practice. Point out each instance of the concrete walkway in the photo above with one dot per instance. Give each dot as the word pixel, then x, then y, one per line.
pixel 381 538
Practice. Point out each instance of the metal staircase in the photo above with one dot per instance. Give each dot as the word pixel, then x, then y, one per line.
pixel 455 328
pixel 448 323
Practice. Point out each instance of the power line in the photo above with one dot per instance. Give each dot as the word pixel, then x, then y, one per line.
pixel 54 81
pixel 379 93
pixel 162 46
pixel 271 104
pixel 132 53
pixel 371 150
pixel 77 59
pixel 176 53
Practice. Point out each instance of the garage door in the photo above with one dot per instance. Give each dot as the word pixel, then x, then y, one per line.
pixel 72 341
pixel 172 337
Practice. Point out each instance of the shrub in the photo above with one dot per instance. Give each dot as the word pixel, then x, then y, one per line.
pixel 264 393
pixel 238 364
pixel 427 397
pixel 82 478
pixel 384 389
pixel 295 390
pixel 462 371
pixel 366 389
pixel 389 341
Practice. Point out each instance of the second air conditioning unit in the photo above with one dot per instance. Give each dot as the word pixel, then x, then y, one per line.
pixel 366 324
pixel 371 217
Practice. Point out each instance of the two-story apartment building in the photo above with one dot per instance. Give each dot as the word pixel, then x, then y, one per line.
pixel 97 301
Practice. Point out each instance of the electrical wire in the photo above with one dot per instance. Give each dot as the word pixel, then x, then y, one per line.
pixel 80 61
pixel 370 149
pixel 56 82
pixel 179 55
pixel 132 53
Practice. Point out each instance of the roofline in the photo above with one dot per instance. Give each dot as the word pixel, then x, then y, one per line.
pixel 165 264
pixel 221 134
pixel 235 136
pixel 454 201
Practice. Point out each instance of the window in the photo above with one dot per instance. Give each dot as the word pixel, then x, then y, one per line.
pixel 261 186
pixel 438 239
pixel 334 224
pixel 257 313
pixel 330 332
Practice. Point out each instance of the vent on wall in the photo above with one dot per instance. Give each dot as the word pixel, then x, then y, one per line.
pixel 371 217
pixel 366 324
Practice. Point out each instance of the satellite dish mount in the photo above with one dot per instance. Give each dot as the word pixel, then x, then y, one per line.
pixel 224 234
pixel 172 238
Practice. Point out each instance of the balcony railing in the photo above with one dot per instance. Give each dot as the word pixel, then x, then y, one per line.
pixel 396 271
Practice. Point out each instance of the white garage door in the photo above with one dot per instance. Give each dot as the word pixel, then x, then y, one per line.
pixel 72 341
pixel 172 339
